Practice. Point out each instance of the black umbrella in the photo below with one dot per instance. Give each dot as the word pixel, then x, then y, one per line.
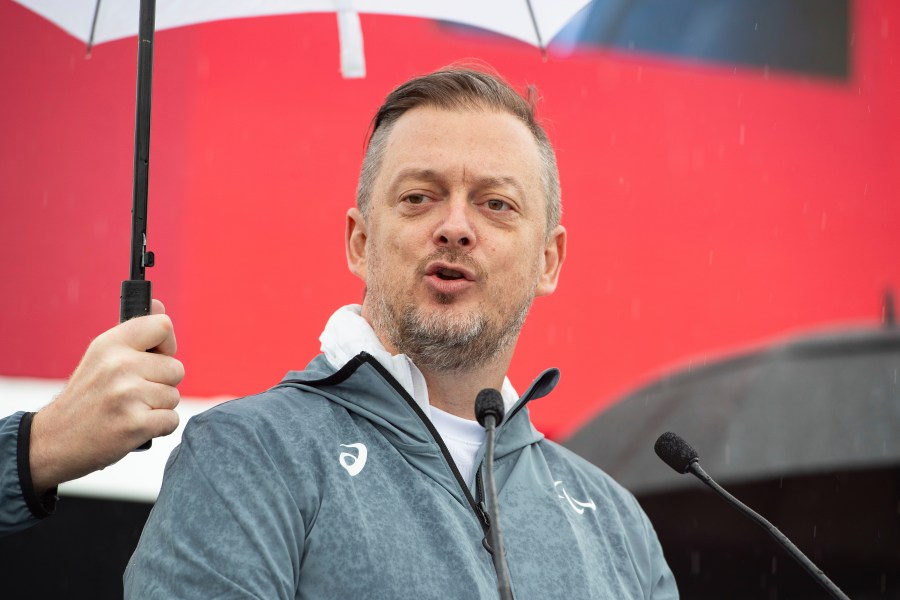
pixel 811 404
pixel 806 431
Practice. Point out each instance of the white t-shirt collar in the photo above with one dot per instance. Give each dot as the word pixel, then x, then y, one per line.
pixel 347 334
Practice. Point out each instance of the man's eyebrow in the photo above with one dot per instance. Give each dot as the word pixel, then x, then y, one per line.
pixel 501 181
pixel 417 174
pixel 432 176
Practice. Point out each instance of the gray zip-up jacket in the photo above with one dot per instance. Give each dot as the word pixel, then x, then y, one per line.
pixel 20 507
pixel 336 485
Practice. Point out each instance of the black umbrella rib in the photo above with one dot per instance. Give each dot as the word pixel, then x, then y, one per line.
pixel 90 43
pixel 537 30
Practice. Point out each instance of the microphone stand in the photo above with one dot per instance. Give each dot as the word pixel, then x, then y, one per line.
pixel 489 412
pixel 499 553
pixel 817 573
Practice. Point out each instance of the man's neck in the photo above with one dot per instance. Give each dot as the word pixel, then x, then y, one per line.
pixel 455 392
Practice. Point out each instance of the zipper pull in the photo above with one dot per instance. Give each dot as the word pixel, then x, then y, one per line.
pixel 486 519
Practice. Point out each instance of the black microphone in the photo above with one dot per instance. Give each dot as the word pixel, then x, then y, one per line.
pixel 489 412
pixel 679 455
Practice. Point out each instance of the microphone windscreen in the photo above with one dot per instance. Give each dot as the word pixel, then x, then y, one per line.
pixel 675 452
pixel 489 402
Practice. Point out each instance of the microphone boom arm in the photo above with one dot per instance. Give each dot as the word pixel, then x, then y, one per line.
pixel 817 573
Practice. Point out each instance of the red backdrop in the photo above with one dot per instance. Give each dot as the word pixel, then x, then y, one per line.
pixel 708 206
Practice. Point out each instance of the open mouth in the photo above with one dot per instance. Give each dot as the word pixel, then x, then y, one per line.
pixel 449 274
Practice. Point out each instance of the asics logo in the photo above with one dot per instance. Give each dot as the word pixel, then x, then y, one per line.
pixel 353 463
pixel 576 505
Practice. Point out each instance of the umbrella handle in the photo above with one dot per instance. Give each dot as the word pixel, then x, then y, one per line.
pixel 136 294
pixel 134 301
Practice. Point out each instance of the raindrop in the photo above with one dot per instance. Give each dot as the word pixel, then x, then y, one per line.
pixel 824 221
pixel 743 130
pixel 203 67
pixel 756 27
pixel 72 291
pixel 815 527
pixel 865 189
pixel 781 483
pixel 774 565
pixel 711 254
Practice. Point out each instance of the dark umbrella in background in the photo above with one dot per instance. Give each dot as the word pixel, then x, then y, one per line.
pixel 807 432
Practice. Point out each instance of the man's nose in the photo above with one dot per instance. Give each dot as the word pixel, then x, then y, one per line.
pixel 455 229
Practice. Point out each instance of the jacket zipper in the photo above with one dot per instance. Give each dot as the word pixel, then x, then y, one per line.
pixel 479 498
pixel 477 507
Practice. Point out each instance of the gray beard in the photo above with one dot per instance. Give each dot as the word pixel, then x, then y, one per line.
pixel 437 343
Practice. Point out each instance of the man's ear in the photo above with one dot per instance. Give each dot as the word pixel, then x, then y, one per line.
pixel 554 255
pixel 355 243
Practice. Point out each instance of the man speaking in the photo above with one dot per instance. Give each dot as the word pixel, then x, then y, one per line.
pixel 361 476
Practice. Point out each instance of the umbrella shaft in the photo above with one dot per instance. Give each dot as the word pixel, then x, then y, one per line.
pixel 142 140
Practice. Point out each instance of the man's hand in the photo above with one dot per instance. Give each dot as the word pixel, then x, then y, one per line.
pixel 119 397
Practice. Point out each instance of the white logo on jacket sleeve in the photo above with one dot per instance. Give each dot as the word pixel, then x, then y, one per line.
pixel 353 464
pixel 576 505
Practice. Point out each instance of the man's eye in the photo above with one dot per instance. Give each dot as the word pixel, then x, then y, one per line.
pixel 415 199
pixel 495 204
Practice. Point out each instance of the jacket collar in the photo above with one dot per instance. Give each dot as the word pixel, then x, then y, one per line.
pixel 365 387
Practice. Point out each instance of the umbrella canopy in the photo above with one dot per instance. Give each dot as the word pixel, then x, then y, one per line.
pixel 804 431
pixel 817 403
pixel 94 22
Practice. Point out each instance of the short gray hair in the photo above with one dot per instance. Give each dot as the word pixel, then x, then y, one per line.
pixel 458 89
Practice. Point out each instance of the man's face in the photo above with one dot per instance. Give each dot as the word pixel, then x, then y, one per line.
pixel 455 247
